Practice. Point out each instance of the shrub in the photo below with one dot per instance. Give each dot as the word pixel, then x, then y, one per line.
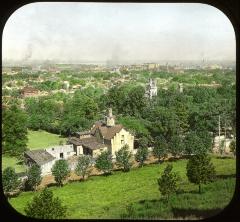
pixel 45 206
pixel 83 166
pixel 33 177
pixel 123 157
pixel 60 171
pixel 104 162
pixel 200 170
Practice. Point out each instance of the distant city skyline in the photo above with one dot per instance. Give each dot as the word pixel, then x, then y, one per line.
pixel 117 32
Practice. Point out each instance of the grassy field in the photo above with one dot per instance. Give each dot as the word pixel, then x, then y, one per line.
pixel 42 139
pixel 36 140
pixel 108 196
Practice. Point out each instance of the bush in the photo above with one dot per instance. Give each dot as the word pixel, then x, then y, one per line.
pixel 33 177
pixel 45 206
pixel 168 182
pixel 60 171
pixel 83 166
pixel 10 180
pixel 104 162
pixel 141 155
pixel 200 170
pixel 123 157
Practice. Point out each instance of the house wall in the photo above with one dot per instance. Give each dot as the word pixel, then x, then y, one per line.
pixel 117 144
pixel 67 151
pixel 46 168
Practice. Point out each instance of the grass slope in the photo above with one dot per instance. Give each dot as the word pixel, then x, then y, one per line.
pixel 107 197
pixel 42 139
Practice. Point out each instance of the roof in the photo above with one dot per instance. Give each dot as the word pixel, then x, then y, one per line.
pixel 83 133
pixel 40 157
pixel 108 132
pixel 91 142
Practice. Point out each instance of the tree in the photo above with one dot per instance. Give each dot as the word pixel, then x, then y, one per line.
pixel 221 147
pixel 10 180
pixel 14 131
pixel 104 162
pixel 194 144
pixel 200 169
pixel 168 182
pixel 45 206
pixel 232 147
pixel 123 157
pixel 33 177
pixel 83 166
pixel 60 171
pixel 160 148
pixel 176 147
pixel 141 155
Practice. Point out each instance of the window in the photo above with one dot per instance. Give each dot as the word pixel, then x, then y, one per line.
pixel 61 155
pixel 68 153
pixel 122 141
pixel 52 149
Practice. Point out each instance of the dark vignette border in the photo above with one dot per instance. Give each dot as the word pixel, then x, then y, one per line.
pixel 231 8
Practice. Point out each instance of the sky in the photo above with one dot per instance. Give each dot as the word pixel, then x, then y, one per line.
pixel 118 32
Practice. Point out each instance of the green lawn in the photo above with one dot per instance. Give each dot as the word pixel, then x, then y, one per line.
pixel 36 140
pixel 8 161
pixel 107 197
pixel 42 139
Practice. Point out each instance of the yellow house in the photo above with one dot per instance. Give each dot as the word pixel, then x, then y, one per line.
pixel 104 135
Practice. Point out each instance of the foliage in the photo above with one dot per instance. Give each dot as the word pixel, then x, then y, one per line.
pixel 176 146
pixel 60 171
pixel 232 147
pixel 33 177
pixel 123 158
pixel 194 144
pixel 46 206
pixel 160 148
pixel 14 136
pixel 10 180
pixel 168 182
pixel 83 166
pixel 141 155
pixel 104 162
pixel 200 169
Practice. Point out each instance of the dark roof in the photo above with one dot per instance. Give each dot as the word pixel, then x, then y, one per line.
pixel 91 142
pixel 40 157
pixel 83 133
pixel 108 132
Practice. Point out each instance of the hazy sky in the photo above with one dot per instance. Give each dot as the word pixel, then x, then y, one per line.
pixel 122 31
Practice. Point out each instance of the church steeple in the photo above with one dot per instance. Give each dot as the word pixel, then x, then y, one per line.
pixel 110 118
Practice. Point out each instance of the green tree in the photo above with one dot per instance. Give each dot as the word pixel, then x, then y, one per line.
pixel 141 155
pixel 194 144
pixel 46 206
pixel 232 147
pixel 14 131
pixel 160 148
pixel 83 166
pixel 176 147
pixel 222 147
pixel 104 162
pixel 200 169
pixel 168 182
pixel 123 158
pixel 60 171
pixel 33 177
pixel 10 180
